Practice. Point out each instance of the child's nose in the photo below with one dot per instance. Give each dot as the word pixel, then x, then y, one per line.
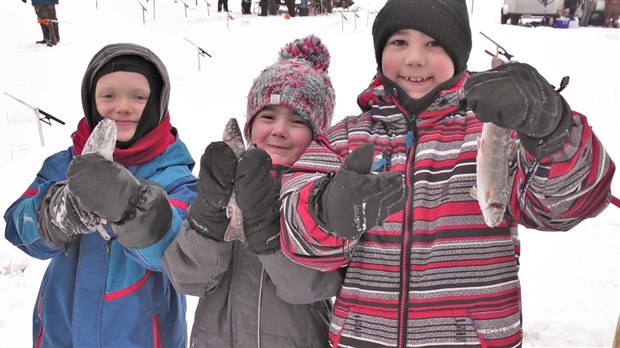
pixel 123 106
pixel 280 129
pixel 414 56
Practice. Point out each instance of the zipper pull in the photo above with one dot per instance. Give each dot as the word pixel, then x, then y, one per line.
pixel 385 161
pixel 410 139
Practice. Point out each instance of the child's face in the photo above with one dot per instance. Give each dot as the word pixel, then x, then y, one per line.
pixel 416 62
pixel 121 96
pixel 282 133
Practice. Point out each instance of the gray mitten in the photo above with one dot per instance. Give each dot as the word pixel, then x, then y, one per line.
pixel 137 210
pixel 515 96
pixel 354 200
pixel 61 219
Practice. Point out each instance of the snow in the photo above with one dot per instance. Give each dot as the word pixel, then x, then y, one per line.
pixel 570 280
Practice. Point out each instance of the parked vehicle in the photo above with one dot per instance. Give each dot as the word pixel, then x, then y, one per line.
pixel 514 10
pixel 547 10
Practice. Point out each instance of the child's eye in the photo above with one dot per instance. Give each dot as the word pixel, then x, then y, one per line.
pixel 299 122
pixel 433 44
pixel 267 116
pixel 398 42
pixel 141 98
pixel 107 96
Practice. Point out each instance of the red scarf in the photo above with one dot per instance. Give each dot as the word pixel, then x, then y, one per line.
pixel 151 145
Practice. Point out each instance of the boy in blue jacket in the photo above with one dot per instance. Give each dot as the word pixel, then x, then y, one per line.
pixel 110 292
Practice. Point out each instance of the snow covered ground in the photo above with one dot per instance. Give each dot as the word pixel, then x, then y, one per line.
pixel 570 280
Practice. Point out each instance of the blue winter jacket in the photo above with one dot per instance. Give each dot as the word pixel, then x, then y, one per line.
pixel 104 294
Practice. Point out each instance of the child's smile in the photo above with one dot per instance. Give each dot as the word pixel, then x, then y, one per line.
pixel 416 62
pixel 282 133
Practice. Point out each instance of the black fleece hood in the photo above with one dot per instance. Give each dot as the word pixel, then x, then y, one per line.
pixel 131 56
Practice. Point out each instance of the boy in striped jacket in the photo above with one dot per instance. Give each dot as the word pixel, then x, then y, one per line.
pixel 422 267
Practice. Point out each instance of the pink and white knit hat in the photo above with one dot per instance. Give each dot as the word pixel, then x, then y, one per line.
pixel 298 80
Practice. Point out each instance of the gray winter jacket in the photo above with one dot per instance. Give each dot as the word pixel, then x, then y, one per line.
pixel 248 300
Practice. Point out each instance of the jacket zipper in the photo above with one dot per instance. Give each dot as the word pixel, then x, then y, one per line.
pixel 260 300
pixel 403 300
pixel 403 305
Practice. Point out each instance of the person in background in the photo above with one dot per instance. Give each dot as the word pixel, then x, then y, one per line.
pixel 612 12
pixel 252 295
pixel 108 289
pixel 423 268
pixel 304 10
pixel 588 8
pixel 46 15
pixel 222 4
pixel 572 6
pixel 246 7
pixel 290 6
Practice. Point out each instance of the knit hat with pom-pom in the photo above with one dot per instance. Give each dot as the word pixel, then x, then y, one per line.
pixel 298 80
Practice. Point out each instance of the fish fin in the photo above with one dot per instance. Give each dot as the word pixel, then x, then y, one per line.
pixel 480 144
pixel 473 191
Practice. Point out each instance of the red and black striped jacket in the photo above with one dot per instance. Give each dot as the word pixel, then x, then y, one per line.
pixel 434 274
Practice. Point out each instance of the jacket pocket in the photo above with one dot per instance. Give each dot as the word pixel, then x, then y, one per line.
pixel 498 326
pixel 353 326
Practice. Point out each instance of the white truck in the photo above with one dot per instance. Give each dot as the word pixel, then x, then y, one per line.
pixel 547 10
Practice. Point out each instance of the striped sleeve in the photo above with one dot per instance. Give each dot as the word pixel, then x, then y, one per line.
pixel 566 188
pixel 302 239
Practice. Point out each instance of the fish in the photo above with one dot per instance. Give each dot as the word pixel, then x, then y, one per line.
pixel 102 141
pixel 495 152
pixel 232 137
pixel 496 149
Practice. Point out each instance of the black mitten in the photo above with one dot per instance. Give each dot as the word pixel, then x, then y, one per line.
pixel 24 1
pixel 102 186
pixel 515 96
pixel 60 218
pixel 257 197
pixel 207 215
pixel 138 211
pixel 353 201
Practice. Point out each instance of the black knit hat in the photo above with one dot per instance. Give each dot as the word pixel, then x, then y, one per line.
pixel 446 21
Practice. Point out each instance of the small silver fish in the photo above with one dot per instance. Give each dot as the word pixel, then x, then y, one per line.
pixel 495 153
pixel 102 141
pixel 233 137
pixel 496 149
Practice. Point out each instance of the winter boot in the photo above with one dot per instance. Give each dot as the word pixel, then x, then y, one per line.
pixel 303 12
pixel 263 8
pixel 290 6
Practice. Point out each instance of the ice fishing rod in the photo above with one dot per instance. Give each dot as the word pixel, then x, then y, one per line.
pixel 200 50
pixel 47 117
pixel 502 51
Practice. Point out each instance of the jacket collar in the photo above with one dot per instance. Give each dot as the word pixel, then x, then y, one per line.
pixel 379 94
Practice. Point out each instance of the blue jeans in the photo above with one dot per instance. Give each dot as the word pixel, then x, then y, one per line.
pixel 586 13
